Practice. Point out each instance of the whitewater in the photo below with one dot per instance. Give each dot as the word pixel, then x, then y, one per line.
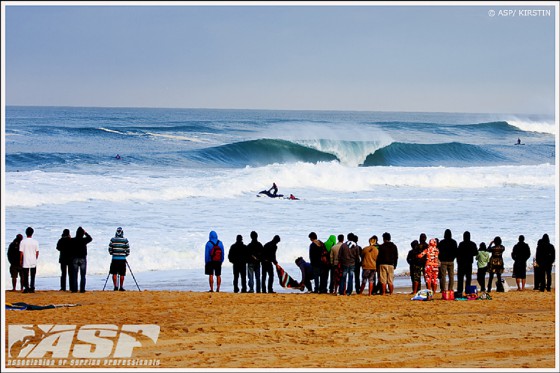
pixel 185 172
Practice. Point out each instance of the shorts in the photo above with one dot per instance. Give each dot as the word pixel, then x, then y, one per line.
pixel 386 274
pixel 15 271
pixel 118 267
pixel 368 275
pixel 213 268
pixel 519 270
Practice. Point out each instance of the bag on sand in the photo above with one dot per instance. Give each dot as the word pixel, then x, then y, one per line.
pixel 424 295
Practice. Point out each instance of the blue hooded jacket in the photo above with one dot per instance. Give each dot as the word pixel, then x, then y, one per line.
pixel 212 239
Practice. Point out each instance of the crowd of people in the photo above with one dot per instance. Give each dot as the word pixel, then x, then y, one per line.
pixel 24 252
pixel 339 264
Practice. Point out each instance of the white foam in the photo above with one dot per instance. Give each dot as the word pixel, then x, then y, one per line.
pixel 535 126
pixel 36 188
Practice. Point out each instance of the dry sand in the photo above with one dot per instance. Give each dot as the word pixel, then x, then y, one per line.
pixel 225 330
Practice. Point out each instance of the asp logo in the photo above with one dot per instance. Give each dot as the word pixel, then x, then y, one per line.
pixel 92 341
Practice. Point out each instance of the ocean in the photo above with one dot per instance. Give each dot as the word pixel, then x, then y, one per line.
pixel 185 172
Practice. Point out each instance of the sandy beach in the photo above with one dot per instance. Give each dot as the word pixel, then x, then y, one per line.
pixel 226 330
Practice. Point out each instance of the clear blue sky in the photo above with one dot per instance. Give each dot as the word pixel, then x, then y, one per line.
pixel 388 58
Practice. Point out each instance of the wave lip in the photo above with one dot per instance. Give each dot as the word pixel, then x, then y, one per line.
pixel 425 155
pixel 261 152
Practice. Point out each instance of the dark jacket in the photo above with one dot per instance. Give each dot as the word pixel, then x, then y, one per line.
pixel 64 245
pixel 238 253
pixel 306 270
pixel 466 251
pixel 447 248
pixel 13 252
pixel 79 244
pixel 255 251
pixel 315 252
pixel 521 252
pixel 388 254
pixel 349 254
pixel 545 254
pixel 269 252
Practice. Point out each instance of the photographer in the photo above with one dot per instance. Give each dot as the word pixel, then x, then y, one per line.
pixel 119 249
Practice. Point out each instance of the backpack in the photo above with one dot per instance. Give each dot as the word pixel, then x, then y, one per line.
pixel 325 256
pixel 216 252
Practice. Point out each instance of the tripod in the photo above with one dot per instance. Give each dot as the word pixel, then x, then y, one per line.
pixel 130 269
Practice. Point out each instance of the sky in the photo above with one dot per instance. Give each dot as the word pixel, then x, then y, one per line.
pixel 365 56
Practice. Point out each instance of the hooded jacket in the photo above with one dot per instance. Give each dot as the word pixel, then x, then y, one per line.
pixel 447 248
pixel 466 251
pixel 118 246
pixel 212 240
pixel 64 246
pixel 79 244
pixel 330 242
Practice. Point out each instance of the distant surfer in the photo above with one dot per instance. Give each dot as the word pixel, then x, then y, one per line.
pixel 292 197
pixel 518 141
pixel 117 157
pixel 273 190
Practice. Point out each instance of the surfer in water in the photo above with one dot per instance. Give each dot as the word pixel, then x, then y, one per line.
pixel 518 141
pixel 117 156
pixel 273 190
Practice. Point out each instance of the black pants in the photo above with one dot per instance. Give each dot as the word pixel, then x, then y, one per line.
pixel 267 270
pixel 464 272
pixel 321 274
pixel 491 277
pixel 481 277
pixel 357 281
pixel 26 272
pixel 239 269
pixel 545 272
pixel 65 270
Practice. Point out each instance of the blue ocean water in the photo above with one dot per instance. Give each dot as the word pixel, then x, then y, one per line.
pixel 184 172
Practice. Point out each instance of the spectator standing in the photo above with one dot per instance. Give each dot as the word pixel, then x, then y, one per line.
pixel 447 255
pixel 387 262
pixel 119 248
pixel 15 263
pixel 79 259
pixel 545 256
pixel 64 246
pixel 214 257
pixel 520 253
pixel 238 257
pixel 29 254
